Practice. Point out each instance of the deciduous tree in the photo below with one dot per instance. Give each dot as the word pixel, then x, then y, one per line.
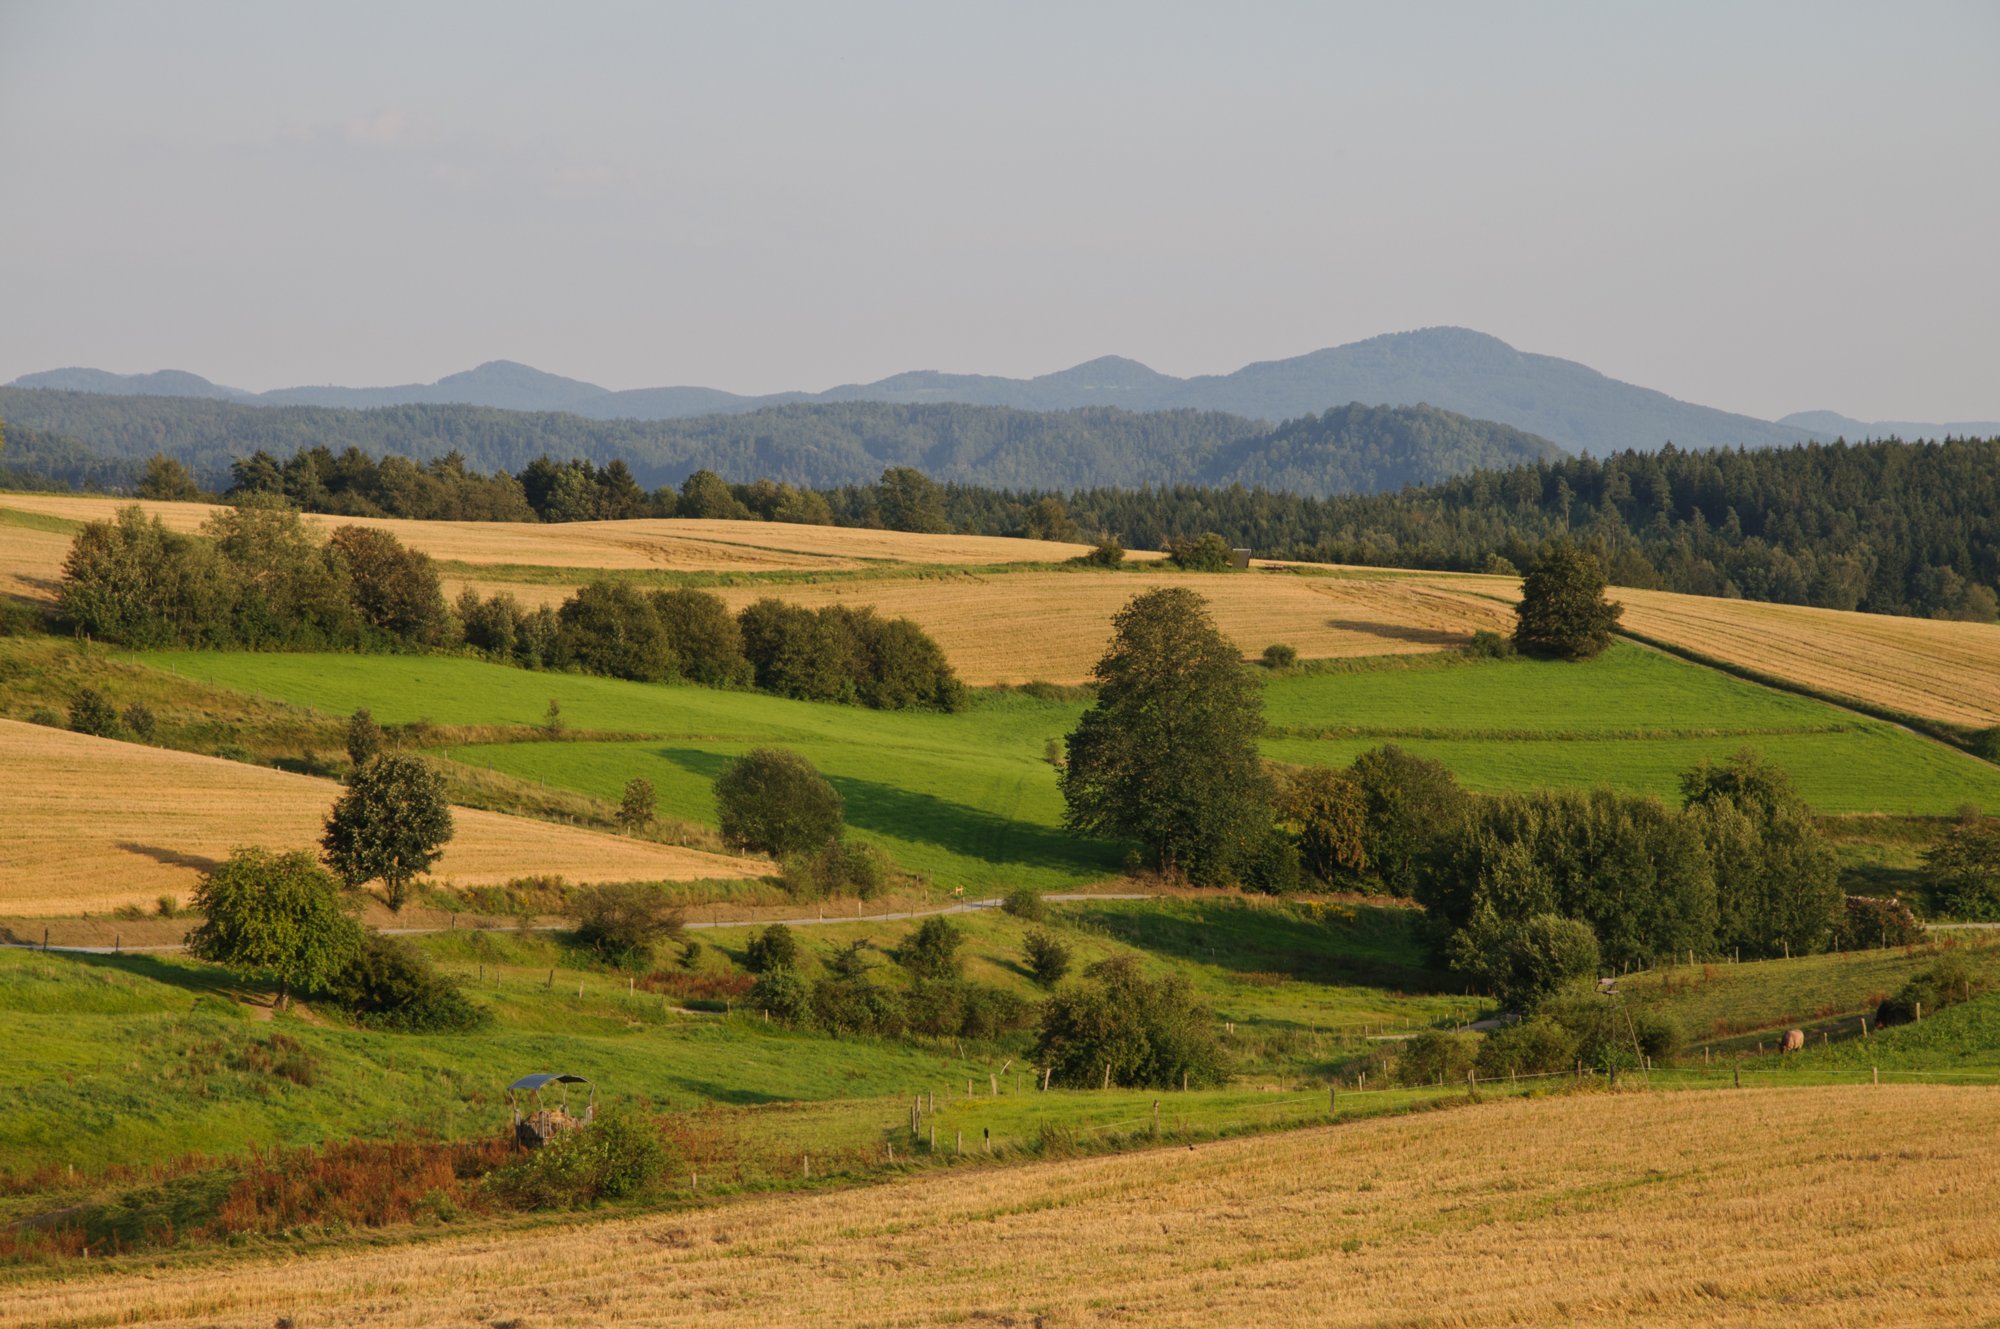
pixel 390 825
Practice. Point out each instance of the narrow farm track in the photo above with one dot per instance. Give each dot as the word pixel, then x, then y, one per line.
pixel 818 920
pixel 1760 1207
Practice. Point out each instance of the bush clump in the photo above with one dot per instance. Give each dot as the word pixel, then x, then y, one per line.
pixel 614 1158
pixel 1437 1057
pixel 1947 982
pixel 389 984
pixel 1134 1031
pixel 1026 904
pixel 776 947
pixel 624 921
pixel 1048 959
pixel 1279 657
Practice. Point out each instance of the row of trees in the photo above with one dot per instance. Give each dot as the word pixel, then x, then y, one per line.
pixel 256 577
pixel 837 653
pixel 1885 527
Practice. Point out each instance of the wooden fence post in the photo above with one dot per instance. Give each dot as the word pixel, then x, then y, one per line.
pixel 1156 1119
pixel 1332 1098
pixel 959 1146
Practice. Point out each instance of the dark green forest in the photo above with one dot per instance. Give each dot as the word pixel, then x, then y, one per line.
pixel 1348 449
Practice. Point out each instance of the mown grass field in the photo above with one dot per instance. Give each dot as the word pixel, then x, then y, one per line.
pixel 1832 1206
pixel 91 824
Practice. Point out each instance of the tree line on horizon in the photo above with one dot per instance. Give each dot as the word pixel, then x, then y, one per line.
pixel 1894 528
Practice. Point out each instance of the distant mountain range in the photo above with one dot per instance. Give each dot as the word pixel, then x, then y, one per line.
pixel 1454 369
pixel 82 437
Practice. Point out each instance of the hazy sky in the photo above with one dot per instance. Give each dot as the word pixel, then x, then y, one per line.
pixel 1759 206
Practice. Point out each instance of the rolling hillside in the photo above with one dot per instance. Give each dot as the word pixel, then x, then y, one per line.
pixel 89 825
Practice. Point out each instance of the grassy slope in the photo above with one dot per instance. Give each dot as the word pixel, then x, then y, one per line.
pixel 1633 719
pixel 144 1057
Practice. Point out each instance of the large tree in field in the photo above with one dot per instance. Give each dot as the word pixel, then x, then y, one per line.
pixel 1563 612
pixel 774 801
pixel 1168 755
pixel 391 824
pixel 276 916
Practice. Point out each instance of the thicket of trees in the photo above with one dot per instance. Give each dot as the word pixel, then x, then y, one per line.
pixel 256 577
pixel 253 577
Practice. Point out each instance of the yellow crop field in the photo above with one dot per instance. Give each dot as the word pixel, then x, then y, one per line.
pixel 31 561
pixel 670 545
pixel 1770 1207
pixel 1944 671
pixel 92 824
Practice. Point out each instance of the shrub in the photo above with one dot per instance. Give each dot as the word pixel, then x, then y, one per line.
pixel 691 953
pixel 783 993
pixel 42 715
pixel 837 867
pixel 1208 552
pixel 1964 867
pixel 1140 1032
pixel 91 714
pixel 932 950
pixel 609 628
pixel 856 1006
pixel 1658 1034
pixel 1273 864
pixel 1535 1046
pixel 774 948
pixel 623 921
pixel 1437 1056
pixel 1025 903
pixel 774 801
pixel 364 738
pixel 1487 645
pixel 638 807
pixel 1869 921
pixel 389 984
pixel 168 906
pixel 1280 656
pixel 1048 959
pixel 613 1158
pixel 1947 982
pixel 1107 553
pixel 140 722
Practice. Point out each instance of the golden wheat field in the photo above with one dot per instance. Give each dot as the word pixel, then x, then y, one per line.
pixel 1941 670
pixel 31 561
pixel 670 545
pixel 92 824
pixel 1768 1207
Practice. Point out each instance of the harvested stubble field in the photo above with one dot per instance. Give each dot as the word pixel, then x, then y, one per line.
pixel 92 824
pixel 31 555
pixel 1940 670
pixel 671 545
pixel 1823 1206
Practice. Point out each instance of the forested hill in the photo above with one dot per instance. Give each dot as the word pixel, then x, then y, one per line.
pixel 1346 450
pixel 1455 369
pixel 1892 528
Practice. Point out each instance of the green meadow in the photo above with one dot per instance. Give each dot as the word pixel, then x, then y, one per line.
pixel 971 801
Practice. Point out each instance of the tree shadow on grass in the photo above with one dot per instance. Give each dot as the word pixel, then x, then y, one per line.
pixel 1400 632
pixel 202 980
pixel 910 815
pixel 1376 948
